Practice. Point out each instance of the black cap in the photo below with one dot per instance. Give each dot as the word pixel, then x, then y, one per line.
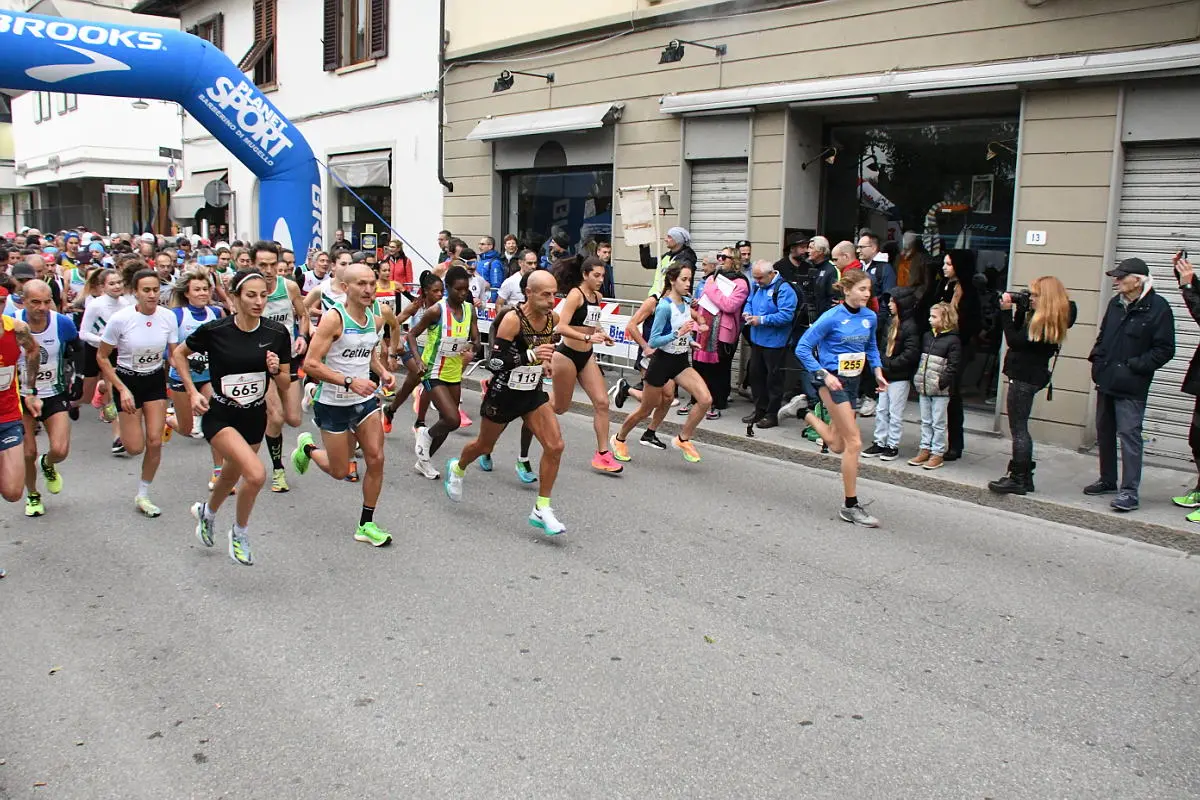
pixel 741 243
pixel 797 239
pixel 562 240
pixel 23 271
pixel 1130 266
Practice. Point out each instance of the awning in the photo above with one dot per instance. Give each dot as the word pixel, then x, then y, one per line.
pixel 189 197
pixel 559 120
pixel 930 82
pixel 372 168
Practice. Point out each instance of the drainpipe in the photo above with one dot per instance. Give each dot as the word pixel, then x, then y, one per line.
pixel 441 111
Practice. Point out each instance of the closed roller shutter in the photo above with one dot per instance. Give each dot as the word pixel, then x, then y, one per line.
pixel 121 212
pixel 1160 214
pixel 719 199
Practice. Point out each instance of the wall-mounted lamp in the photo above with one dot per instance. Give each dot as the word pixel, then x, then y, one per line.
pixel 140 104
pixel 664 203
pixel 673 52
pixel 829 154
pixel 994 148
pixel 505 81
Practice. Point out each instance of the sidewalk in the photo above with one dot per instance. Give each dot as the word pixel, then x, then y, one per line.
pixel 1060 475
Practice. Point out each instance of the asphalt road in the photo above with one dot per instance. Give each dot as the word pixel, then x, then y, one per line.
pixel 701 631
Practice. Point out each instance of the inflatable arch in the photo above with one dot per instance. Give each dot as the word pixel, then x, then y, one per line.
pixel 53 54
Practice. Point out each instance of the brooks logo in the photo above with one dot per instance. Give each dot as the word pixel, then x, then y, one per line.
pixel 54 73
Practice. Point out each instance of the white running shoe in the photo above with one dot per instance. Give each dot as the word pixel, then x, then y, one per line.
pixel 424 443
pixel 794 406
pixel 544 518
pixel 310 395
pixel 867 407
pixel 453 483
pixel 426 469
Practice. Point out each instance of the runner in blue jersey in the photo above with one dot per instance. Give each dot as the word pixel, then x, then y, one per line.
pixel 835 350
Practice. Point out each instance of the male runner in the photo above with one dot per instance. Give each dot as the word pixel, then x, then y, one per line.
pixel 285 307
pixel 54 334
pixel 16 345
pixel 343 354
pixel 522 352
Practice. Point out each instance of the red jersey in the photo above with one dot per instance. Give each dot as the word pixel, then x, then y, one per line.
pixel 10 353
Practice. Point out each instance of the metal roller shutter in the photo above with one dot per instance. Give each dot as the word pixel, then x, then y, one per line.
pixel 1160 215
pixel 719 200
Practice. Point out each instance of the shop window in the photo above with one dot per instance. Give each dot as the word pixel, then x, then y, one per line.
pixel 355 31
pixel 211 30
pixel 260 58
pixel 951 182
pixel 576 202
pixel 354 215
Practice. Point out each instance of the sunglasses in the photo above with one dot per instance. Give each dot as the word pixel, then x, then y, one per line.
pixel 723 257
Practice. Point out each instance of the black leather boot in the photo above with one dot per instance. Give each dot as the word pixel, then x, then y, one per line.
pixel 1027 476
pixel 1012 483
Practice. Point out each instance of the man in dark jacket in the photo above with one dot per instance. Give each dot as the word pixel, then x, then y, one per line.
pixel 1137 337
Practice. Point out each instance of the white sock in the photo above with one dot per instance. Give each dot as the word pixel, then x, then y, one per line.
pixel 144 489
pixel 209 515
pixel 239 530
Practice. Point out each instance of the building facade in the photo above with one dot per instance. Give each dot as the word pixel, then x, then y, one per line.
pixel 1047 137
pixel 101 162
pixel 359 80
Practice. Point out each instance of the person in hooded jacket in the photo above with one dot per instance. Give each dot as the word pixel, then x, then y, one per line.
pixel 1034 330
pixel 1136 338
pixel 958 288
pixel 491 266
pixel 679 251
pixel 900 353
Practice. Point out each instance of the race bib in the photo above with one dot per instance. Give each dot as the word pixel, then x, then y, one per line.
pixel 390 302
pixel 592 318
pixel 47 377
pixel 146 359
pixel 525 379
pixel 452 346
pixel 198 363
pixel 244 388
pixel 6 378
pixel 850 365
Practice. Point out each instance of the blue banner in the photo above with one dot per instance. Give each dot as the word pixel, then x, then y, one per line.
pixel 52 54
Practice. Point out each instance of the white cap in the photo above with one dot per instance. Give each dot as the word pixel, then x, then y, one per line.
pixel 148 237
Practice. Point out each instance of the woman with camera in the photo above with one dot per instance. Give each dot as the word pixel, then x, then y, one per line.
pixel 1035 330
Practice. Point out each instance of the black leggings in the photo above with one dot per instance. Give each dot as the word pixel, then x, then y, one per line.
pixel 1194 434
pixel 1020 407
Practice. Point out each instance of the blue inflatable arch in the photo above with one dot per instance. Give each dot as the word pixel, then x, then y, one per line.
pixel 39 53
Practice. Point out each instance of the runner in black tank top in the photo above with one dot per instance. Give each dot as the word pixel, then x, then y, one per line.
pixel 519 358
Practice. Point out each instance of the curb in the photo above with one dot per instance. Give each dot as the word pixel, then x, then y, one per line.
pixel 1122 527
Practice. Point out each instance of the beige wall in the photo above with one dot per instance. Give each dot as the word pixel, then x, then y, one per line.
pixel 6 140
pixel 1068 144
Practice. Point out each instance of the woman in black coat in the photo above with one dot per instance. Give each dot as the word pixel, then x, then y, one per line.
pixel 957 287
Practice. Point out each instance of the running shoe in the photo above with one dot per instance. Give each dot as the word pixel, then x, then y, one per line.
pixel 109 412
pixel 684 409
pixel 426 470
pixel 279 481
pixel 300 458
pixel 352 472
pixel 387 422
pixel 650 439
pixel 485 462
pixel 203 529
pixel 168 432
pixel 213 482
pixel 144 505
pixel 604 462
pixel 1194 516
pixel 118 449
pixel 858 516
pixel 525 472
pixel 54 481
pixel 544 518
pixel 453 483
pixel 239 548
pixel 1189 500
pixel 622 393
pixel 33 505
pixel 463 420
pixel 424 443
pixel 371 533
pixel 619 449
pixel 687 448
pixel 73 413
pixel 310 395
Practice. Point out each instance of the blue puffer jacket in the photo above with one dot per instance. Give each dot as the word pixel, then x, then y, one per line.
pixel 776 304
pixel 491 268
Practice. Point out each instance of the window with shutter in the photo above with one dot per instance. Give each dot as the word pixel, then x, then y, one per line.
pixel 332 34
pixel 211 30
pixel 378 28
pixel 261 57
pixel 355 31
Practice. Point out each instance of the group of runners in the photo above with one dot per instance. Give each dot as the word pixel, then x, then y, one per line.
pixel 240 370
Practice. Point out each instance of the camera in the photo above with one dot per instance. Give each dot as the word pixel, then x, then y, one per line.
pixel 1021 300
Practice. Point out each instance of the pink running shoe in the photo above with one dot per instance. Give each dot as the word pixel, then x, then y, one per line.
pixel 604 462
pixel 463 420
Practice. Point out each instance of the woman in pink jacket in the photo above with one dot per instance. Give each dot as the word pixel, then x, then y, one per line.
pixel 713 357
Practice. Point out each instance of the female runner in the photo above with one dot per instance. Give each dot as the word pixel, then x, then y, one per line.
pixel 429 295
pixel 835 350
pixel 245 352
pixel 671 345
pixel 579 281
pixel 191 296
pixel 105 296
pixel 140 335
